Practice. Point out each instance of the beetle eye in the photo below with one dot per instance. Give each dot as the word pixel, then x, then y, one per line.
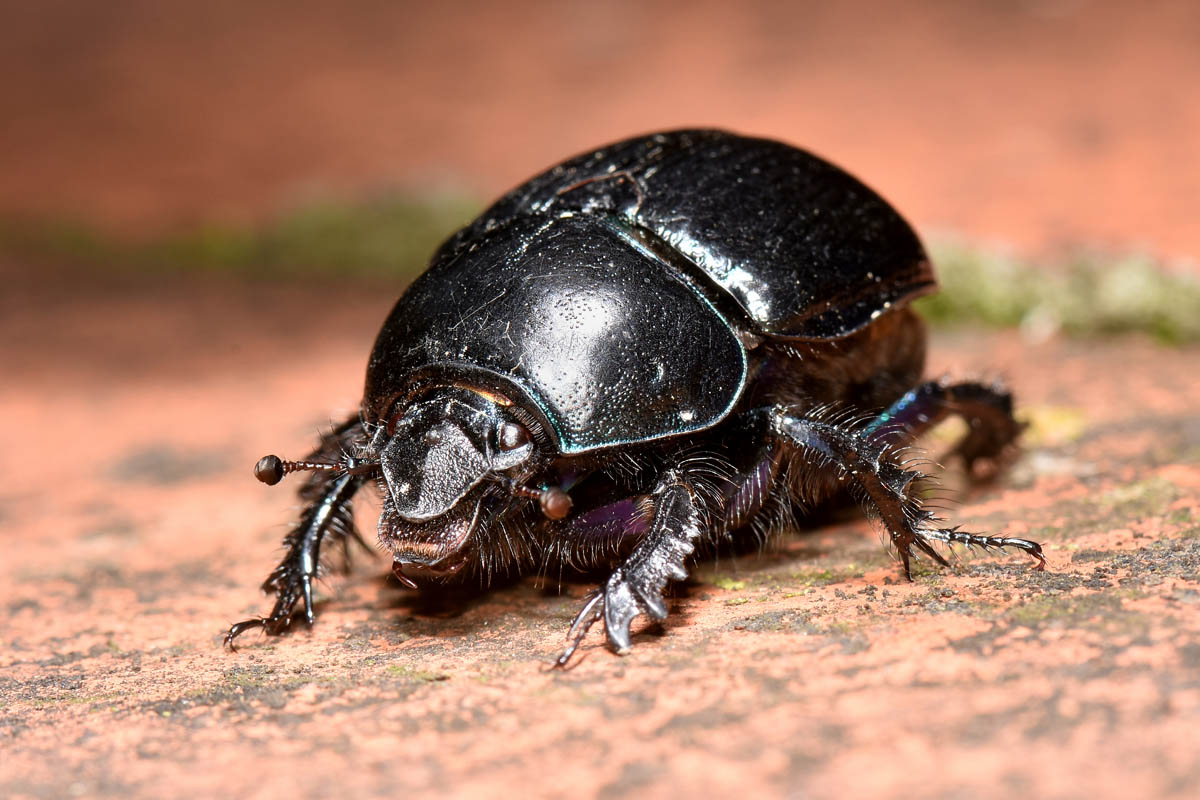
pixel 511 436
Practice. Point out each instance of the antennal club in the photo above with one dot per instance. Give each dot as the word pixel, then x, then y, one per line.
pixel 555 503
pixel 271 469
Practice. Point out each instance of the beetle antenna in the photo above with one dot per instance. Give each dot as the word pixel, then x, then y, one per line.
pixel 555 503
pixel 271 469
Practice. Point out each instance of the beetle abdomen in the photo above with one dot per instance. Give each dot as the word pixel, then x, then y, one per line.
pixel 806 249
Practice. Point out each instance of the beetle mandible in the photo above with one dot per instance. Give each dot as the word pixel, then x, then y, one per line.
pixel 658 344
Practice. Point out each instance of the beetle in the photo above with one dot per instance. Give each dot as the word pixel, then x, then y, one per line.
pixel 664 343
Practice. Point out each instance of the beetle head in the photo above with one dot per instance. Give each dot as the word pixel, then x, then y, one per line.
pixel 446 464
pixel 445 454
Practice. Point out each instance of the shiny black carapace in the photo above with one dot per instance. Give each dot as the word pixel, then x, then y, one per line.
pixel 663 343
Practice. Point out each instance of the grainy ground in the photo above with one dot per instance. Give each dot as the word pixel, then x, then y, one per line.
pixel 134 533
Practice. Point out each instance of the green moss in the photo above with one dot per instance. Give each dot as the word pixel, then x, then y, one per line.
pixel 1052 425
pixel 416 675
pixel 840 627
pixel 1102 611
pixel 1118 507
pixel 392 235
pixel 823 577
pixel 62 701
pixel 242 678
pixel 1087 294
pixel 1141 499
pixel 729 584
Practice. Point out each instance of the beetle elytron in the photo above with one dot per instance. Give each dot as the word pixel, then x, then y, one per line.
pixel 664 342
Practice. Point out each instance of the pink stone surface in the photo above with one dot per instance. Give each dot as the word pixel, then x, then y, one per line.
pixel 134 533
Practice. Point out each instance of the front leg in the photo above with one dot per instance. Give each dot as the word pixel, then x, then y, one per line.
pixel 636 586
pixel 328 514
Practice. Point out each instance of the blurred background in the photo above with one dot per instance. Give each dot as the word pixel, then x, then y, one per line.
pixel 1045 149
pixel 1036 123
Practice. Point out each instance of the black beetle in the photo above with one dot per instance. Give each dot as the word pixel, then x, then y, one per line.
pixel 655 345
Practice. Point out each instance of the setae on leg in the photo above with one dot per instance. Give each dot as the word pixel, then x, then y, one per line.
pixel 885 485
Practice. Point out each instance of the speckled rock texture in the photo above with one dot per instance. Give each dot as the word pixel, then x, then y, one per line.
pixel 134 533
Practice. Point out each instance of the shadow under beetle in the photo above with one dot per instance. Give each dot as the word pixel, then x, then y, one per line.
pixel 655 345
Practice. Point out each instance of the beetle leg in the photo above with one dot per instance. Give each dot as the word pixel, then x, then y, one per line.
pixel 329 514
pixel 887 486
pixel 746 492
pixel 986 408
pixel 591 613
pixel 636 586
